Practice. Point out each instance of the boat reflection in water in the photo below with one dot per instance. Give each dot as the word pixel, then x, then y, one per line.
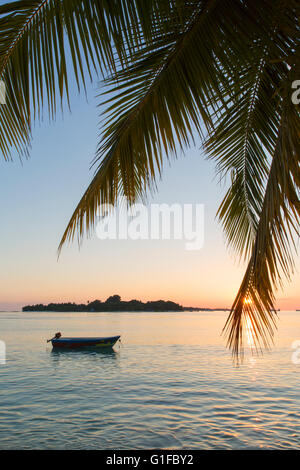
pixel 85 357
pixel 105 352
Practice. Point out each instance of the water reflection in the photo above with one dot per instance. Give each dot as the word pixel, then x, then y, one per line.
pixel 250 334
pixel 172 385
pixel 86 353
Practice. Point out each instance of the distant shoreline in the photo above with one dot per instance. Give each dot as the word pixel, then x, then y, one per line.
pixel 115 304
pixel 112 304
pixel 200 309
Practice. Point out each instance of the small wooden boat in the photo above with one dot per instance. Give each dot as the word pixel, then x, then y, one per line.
pixel 71 343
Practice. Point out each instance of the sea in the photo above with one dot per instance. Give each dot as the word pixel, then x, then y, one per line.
pixel 170 384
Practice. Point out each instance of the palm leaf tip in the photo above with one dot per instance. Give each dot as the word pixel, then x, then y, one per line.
pixel 250 326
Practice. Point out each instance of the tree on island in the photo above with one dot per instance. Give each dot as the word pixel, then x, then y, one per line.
pixel 225 70
pixel 113 299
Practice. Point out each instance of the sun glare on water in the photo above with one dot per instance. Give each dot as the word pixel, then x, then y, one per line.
pixel 249 333
pixel 249 326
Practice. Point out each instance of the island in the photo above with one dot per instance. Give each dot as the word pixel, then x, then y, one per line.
pixel 112 304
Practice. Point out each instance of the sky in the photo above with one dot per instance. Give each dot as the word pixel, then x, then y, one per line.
pixel 39 195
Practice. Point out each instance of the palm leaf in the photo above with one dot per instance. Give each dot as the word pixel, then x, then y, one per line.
pixel 274 243
pixel 244 138
pixel 168 92
pixel 259 136
pixel 36 36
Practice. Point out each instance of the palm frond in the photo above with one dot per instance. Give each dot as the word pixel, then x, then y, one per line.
pixel 167 93
pixel 274 245
pixel 245 137
pixel 254 139
pixel 36 36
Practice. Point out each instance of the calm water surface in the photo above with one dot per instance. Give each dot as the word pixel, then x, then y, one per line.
pixel 171 385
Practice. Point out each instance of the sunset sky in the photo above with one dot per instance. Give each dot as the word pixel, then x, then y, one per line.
pixel 39 195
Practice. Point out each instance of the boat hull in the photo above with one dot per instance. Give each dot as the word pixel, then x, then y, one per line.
pixel 75 343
